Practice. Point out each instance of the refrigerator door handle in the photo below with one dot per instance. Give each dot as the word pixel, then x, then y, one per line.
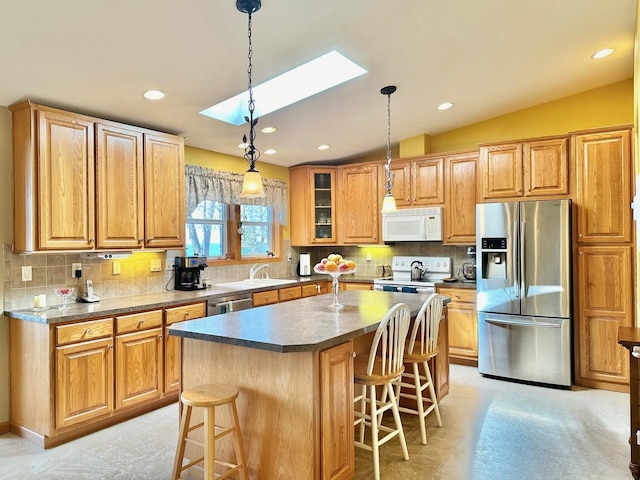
pixel 523 276
pixel 514 263
pixel 521 323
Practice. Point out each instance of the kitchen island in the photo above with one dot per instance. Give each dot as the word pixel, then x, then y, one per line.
pixel 293 364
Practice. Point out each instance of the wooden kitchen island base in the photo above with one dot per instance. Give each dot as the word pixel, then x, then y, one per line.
pixel 293 365
pixel 279 405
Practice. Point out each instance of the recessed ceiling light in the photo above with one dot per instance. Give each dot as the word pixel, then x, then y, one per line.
pixel 603 53
pixel 323 147
pixel 268 129
pixel 270 151
pixel 313 77
pixel 153 94
pixel 445 106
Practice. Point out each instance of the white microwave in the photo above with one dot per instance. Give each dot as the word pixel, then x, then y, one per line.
pixel 412 225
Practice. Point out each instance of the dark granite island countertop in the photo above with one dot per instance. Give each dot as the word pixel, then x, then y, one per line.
pixel 307 324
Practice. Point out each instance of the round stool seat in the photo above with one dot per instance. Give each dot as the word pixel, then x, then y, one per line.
pixel 210 395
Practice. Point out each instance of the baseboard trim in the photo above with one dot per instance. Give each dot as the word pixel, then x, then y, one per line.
pixel 5 427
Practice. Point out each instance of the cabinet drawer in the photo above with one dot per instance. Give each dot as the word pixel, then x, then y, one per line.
pixel 79 332
pixel 138 321
pixel 310 290
pixel 290 293
pixel 459 294
pixel 184 312
pixel 265 298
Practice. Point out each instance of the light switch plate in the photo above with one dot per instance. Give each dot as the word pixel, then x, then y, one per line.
pixel 26 274
pixel 115 269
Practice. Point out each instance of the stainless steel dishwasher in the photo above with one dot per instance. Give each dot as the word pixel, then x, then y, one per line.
pixel 230 303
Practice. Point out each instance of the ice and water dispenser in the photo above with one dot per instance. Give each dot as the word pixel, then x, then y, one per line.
pixel 493 258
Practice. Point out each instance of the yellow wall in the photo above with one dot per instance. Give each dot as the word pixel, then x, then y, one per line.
pixel 601 107
pixel 229 163
pixel 6 232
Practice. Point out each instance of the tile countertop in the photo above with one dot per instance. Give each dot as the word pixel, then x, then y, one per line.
pixel 286 327
pixel 135 303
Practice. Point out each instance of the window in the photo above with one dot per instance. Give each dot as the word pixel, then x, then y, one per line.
pixel 214 229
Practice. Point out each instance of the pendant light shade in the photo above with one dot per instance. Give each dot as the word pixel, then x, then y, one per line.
pixel 252 184
pixel 388 203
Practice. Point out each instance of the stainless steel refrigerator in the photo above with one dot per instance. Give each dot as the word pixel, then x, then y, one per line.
pixel 524 290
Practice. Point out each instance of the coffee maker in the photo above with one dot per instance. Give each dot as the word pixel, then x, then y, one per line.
pixel 468 269
pixel 187 272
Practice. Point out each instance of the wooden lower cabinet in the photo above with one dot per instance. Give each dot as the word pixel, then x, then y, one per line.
pixel 289 293
pixel 84 381
pixel 172 343
pixel 265 298
pixel 463 325
pixel 314 289
pixel 355 286
pixel 629 338
pixel 336 414
pixel 604 303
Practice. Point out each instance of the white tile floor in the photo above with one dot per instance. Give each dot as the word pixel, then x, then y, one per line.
pixel 493 430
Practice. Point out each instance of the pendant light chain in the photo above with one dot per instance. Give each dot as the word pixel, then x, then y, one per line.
pixel 251 152
pixel 388 185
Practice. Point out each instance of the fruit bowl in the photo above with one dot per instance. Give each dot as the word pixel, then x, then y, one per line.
pixel 334 265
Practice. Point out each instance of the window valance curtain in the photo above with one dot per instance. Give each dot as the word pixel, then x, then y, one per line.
pixel 206 184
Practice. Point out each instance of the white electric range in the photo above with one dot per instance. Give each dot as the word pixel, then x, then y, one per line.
pixel 435 269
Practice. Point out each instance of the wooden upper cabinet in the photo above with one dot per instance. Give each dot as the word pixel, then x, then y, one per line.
pixel 119 187
pixel 603 186
pixel 401 189
pixel 313 201
pixel 459 220
pixel 427 186
pixel 164 190
pixel 535 168
pixel 359 207
pixel 65 182
pixel 546 167
pixel 501 171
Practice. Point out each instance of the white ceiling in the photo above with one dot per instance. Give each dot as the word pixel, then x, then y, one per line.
pixel 489 57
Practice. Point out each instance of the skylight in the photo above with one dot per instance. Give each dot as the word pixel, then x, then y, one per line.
pixel 304 81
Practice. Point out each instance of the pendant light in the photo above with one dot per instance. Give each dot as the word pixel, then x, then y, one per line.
pixel 388 203
pixel 252 184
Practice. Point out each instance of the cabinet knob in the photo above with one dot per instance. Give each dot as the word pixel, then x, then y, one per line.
pixel 150 239
pixel 91 240
pixel 354 354
pixel 111 347
pixel 140 240
pixel 580 235
pixel 87 331
pixel 636 352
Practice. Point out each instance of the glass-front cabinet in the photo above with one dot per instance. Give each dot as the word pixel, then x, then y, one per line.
pixel 313 202
pixel 323 205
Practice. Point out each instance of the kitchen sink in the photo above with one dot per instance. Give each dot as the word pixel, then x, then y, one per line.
pixel 255 283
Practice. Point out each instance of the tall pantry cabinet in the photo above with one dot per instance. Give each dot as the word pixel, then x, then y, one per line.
pixel 603 271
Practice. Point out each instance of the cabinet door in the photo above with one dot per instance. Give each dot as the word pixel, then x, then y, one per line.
pixel 301 223
pixel 546 168
pixel 323 201
pixel 66 181
pixel 401 182
pixel 84 381
pixel 164 191
pixel 501 171
pixel 265 298
pixel 460 192
pixel 172 343
pixel 359 209
pixel 427 186
pixel 336 379
pixel 289 293
pixel 463 324
pixel 604 303
pixel 603 184
pixel 119 187
pixel 138 367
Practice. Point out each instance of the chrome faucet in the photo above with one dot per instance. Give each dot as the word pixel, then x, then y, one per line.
pixel 255 268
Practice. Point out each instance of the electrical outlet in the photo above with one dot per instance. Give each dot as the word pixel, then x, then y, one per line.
pixel 75 268
pixel 289 257
pixel 155 265
pixel 26 274
pixel 115 268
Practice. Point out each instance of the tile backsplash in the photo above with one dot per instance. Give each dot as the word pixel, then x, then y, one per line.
pixel 53 270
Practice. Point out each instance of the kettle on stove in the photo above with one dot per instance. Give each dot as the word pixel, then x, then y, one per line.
pixel 417 271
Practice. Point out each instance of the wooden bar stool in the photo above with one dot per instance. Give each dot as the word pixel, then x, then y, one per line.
pixel 209 397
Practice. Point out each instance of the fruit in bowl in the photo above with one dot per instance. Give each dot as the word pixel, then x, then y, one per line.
pixel 335 263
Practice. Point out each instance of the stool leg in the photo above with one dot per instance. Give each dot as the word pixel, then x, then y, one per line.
pixel 375 448
pixel 182 442
pixel 420 402
pixel 210 443
pixel 432 393
pixel 237 440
